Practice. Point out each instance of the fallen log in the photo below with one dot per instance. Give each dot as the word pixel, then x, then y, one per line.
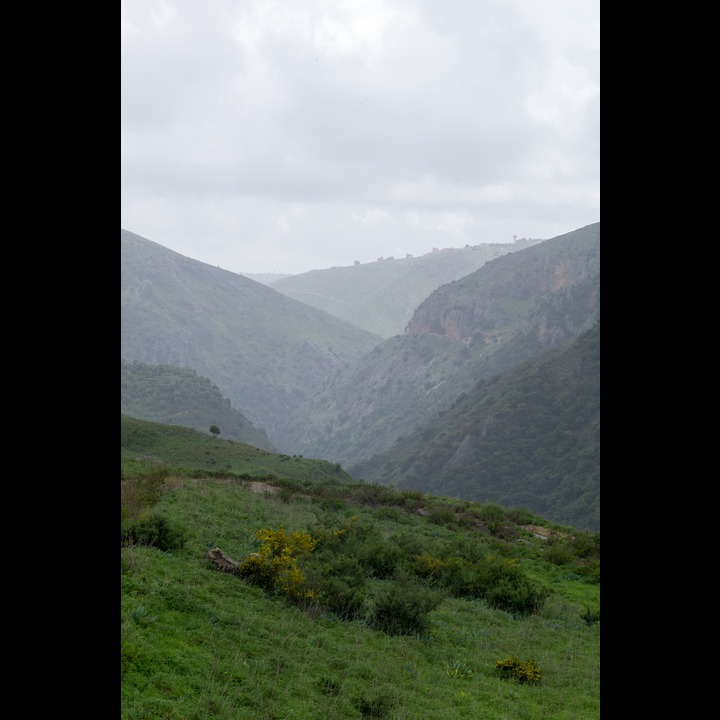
pixel 223 562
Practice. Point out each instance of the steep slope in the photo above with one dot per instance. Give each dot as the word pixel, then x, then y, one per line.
pixel 179 396
pixel 264 351
pixel 382 296
pixel 512 308
pixel 527 438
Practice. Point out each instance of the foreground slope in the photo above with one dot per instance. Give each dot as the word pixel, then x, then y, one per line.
pixel 264 351
pixel 527 438
pixel 197 642
pixel 512 308
pixel 382 296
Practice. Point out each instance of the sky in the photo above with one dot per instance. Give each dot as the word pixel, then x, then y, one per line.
pixel 285 136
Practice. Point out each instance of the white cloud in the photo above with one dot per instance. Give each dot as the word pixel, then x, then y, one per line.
pixel 479 120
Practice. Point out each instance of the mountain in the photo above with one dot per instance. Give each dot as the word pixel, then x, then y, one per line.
pixel 529 437
pixel 512 308
pixel 179 396
pixel 382 296
pixel 264 351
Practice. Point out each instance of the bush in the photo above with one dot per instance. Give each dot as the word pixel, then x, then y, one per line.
pixel 342 597
pixel 499 582
pixel 275 566
pixel 522 670
pixel 403 608
pixel 153 530
pixel 380 558
pixel 516 594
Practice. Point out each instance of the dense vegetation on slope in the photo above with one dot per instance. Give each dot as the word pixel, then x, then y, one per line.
pixel 344 600
pixel 179 396
pixel 512 308
pixel 382 296
pixel 529 437
pixel 264 351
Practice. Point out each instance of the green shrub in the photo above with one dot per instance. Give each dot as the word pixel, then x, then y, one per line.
pixel 520 516
pixel 154 530
pixel 441 515
pixel 491 513
pixel 585 545
pixel 380 558
pixel 499 582
pixel 403 608
pixel 558 554
pixel 341 596
pixel 514 593
pixel 523 670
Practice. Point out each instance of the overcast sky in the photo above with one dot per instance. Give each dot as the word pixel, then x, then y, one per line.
pixel 292 135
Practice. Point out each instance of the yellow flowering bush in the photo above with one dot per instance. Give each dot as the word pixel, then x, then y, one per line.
pixel 522 670
pixel 275 564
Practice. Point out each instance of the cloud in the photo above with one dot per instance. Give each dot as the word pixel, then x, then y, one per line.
pixel 480 118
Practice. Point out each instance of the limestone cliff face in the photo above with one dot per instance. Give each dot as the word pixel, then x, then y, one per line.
pixel 504 294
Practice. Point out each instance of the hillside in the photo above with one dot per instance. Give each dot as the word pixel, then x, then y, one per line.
pixel 527 438
pixel 382 296
pixel 143 441
pixel 264 351
pixel 514 307
pixel 179 396
pixel 246 598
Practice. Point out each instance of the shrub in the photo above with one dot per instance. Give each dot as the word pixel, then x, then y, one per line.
pixel 490 513
pixel 153 530
pixel 523 670
pixel 403 608
pixel 380 558
pixel 341 596
pixel 441 515
pixel 516 594
pixel 558 554
pixel 275 565
pixel 499 582
pixel 521 516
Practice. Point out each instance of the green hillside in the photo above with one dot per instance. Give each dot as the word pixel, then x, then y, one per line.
pixel 382 296
pixel 179 396
pixel 511 309
pixel 142 440
pixel 264 351
pixel 528 437
pixel 246 598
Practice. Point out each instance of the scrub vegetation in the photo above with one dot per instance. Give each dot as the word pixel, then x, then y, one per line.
pixel 342 599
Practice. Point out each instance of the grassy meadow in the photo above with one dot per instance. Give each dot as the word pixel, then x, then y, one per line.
pixel 346 600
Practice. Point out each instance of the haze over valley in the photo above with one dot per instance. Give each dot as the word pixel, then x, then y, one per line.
pixel 468 372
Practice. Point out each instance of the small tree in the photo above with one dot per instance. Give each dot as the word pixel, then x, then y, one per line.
pixel 215 430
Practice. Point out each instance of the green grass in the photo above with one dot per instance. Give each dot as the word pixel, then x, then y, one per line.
pixel 199 643
pixel 188 449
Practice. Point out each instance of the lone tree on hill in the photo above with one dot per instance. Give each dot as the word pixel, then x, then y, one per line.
pixel 215 430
